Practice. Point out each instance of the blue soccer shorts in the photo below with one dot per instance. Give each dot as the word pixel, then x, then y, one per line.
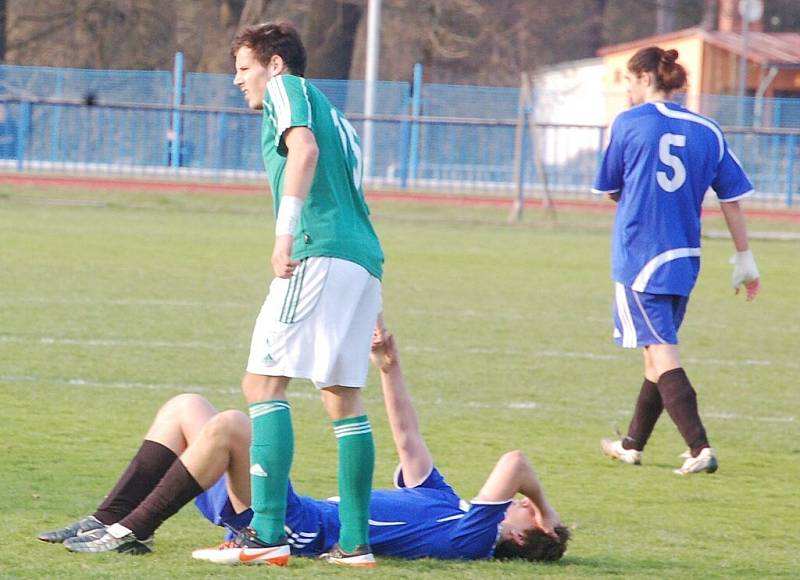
pixel 642 319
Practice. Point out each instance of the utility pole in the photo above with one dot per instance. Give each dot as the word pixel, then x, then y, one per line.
pixel 370 80
pixel 750 11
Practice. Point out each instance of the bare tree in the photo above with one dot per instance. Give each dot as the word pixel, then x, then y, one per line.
pixel 92 33
pixel 205 29
pixel 2 30
pixel 330 33
pixel 463 41
pixel 665 16
pixel 709 21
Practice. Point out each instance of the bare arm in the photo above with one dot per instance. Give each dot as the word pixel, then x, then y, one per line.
pixel 514 474
pixel 301 165
pixel 734 218
pixel 415 458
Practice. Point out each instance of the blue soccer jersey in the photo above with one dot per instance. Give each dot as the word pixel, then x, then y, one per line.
pixel 426 521
pixel 662 159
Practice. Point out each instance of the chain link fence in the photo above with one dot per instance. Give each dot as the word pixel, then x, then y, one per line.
pixel 444 138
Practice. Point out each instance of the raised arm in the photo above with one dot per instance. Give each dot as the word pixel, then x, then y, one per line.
pixel 514 474
pixel 415 458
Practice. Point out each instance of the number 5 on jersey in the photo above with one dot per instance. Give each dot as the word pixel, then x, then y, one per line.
pixel 667 158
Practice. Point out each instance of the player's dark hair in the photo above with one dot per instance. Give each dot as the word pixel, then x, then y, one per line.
pixel 271 38
pixel 669 75
pixel 536 547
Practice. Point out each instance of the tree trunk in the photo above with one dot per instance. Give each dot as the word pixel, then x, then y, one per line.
pixel 329 37
pixel 665 16
pixel 709 21
pixel 2 30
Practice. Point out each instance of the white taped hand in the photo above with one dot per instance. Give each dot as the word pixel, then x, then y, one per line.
pixel 745 272
pixel 744 268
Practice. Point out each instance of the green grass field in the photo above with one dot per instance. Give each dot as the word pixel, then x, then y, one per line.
pixel 112 302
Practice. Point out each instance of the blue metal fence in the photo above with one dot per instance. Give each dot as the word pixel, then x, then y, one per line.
pixel 752 112
pixel 107 86
pixel 447 137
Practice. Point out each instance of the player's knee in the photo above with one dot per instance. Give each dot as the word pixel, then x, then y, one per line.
pixel 515 457
pixel 184 404
pixel 228 427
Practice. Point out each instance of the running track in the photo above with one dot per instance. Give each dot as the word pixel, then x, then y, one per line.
pixel 123 184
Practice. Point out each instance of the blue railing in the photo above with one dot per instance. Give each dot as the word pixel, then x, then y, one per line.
pixel 447 137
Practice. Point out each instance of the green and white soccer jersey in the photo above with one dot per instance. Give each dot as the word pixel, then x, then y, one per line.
pixel 335 220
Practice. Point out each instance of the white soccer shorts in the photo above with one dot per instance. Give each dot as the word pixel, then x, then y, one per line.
pixel 318 324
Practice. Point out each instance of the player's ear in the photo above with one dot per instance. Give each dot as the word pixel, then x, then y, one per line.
pixel 277 64
pixel 517 537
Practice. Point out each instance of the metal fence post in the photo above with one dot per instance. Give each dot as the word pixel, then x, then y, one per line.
pixel 222 136
pixel 23 131
pixel 55 124
pixel 416 110
pixel 775 147
pixel 601 134
pixel 177 100
pixel 519 149
pixel 405 139
pixel 790 155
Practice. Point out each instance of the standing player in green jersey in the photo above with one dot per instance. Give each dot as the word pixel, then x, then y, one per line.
pixel 317 320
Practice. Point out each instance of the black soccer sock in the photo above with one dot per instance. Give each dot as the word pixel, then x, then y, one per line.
pixel 645 415
pixel 177 488
pixel 680 401
pixel 144 471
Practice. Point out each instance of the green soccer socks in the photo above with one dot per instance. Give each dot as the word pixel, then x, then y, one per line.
pixel 356 464
pixel 271 453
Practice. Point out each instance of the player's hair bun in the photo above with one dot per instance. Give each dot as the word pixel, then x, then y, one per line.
pixel 669 56
pixel 669 74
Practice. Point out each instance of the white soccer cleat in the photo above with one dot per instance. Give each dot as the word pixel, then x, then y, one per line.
pixel 613 449
pixel 360 557
pixel 246 548
pixel 705 461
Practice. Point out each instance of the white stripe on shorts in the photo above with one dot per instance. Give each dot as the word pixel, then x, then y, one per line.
pixel 624 312
pixel 647 319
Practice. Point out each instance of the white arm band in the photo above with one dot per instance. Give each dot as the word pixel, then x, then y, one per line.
pixel 288 215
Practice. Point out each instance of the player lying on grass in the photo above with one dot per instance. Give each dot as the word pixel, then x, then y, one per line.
pixel 191 448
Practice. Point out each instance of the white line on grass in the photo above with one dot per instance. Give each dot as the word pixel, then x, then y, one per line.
pixel 102 384
pixel 101 342
pixel 128 302
pixel 603 356
pixel 735 416
pixel 726 416
pixel 118 342
pixel 309 395
pixel 296 394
